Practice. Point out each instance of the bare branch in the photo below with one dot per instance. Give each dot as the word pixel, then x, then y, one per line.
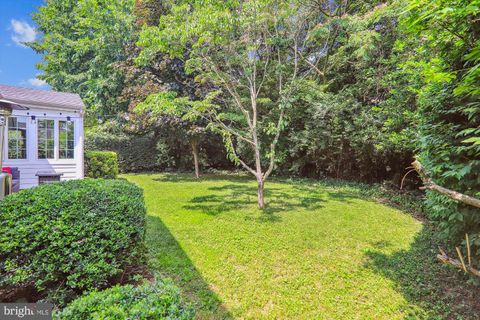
pixel 246 166
pixel 321 73
pixel 273 146
pixel 232 91
pixel 454 195
pixel 442 256
pixel 233 132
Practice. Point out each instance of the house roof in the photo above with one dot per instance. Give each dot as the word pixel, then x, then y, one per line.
pixel 41 97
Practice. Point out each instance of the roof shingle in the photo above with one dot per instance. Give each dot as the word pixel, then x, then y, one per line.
pixel 41 97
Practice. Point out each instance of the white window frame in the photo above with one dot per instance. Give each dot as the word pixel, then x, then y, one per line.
pixel 55 139
pixel 27 144
pixel 58 139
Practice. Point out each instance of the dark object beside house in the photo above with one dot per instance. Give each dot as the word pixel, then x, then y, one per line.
pixel 48 177
pixel 15 179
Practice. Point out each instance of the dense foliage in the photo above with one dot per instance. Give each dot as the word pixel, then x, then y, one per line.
pixel 155 149
pixel 82 42
pixel 61 239
pixel 448 58
pixel 376 83
pixel 149 302
pixel 101 164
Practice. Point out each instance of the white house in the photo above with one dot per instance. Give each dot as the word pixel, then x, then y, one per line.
pixel 46 137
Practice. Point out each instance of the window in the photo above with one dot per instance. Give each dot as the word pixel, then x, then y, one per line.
pixel 46 139
pixel 66 139
pixel 17 138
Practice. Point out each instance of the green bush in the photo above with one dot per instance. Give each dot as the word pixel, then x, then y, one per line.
pixel 158 301
pixel 64 238
pixel 155 150
pixel 101 164
pixel 135 153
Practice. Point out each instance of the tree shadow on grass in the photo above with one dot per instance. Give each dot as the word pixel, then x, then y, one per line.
pixel 440 291
pixel 190 177
pixel 240 194
pixel 168 259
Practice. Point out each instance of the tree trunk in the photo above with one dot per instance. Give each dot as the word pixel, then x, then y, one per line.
pixel 195 159
pixel 260 196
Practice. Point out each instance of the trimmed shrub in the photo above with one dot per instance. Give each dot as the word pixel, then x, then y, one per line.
pixel 156 150
pixel 101 164
pixel 135 153
pixel 61 239
pixel 149 301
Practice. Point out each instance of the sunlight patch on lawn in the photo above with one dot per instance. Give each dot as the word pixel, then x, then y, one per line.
pixel 316 252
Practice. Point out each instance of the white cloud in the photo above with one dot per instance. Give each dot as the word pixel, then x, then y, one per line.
pixel 22 32
pixel 37 82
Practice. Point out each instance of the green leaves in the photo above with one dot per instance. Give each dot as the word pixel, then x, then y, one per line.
pixel 101 164
pixel 449 113
pixel 160 300
pixel 81 42
pixel 69 237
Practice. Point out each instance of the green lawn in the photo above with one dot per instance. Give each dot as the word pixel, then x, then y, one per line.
pixel 318 252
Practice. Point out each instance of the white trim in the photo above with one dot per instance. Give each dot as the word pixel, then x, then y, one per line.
pixel 74 138
pixel 26 139
pixel 71 168
pixel 55 140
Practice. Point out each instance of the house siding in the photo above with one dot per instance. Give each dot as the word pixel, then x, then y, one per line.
pixel 70 168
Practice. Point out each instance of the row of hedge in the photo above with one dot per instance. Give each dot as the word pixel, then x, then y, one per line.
pixel 154 151
pixel 135 153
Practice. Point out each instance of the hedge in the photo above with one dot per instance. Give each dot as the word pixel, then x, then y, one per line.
pixel 149 301
pixel 135 153
pixel 61 239
pixel 154 151
pixel 101 164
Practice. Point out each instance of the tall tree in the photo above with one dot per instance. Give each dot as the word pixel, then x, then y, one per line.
pixel 162 74
pixel 252 54
pixel 81 43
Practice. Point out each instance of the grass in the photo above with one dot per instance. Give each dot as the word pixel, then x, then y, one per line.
pixel 319 251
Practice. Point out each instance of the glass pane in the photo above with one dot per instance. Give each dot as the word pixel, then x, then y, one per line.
pixel 66 139
pixel 16 136
pixel 46 140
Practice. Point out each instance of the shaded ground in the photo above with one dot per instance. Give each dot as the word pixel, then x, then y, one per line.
pixel 318 252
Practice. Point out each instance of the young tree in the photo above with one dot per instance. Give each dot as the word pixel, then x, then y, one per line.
pixel 251 54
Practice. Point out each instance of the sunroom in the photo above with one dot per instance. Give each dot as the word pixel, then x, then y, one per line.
pixel 43 135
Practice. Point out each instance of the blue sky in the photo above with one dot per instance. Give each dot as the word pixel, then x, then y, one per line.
pixel 17 62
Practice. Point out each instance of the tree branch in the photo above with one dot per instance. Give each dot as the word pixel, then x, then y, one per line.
pixel 240 160
pixel 442 256
pixel 454 195
pixel 273 146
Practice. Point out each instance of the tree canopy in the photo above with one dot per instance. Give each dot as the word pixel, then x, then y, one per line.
pixel 320 88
